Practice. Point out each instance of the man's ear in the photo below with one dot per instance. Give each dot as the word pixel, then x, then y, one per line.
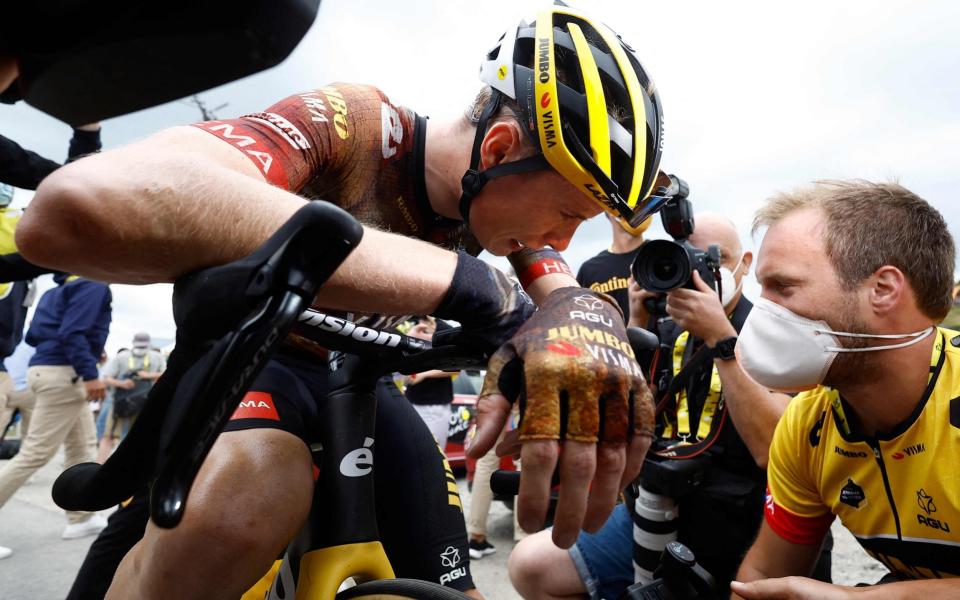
pixel 747 262
pixel 888 289
pixel 503 143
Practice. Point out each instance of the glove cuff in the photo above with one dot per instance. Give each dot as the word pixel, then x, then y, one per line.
pixel 482 297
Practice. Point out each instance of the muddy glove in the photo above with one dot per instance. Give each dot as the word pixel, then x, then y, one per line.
pixel 573 372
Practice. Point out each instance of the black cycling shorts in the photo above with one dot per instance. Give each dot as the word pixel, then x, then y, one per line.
pixel 421 522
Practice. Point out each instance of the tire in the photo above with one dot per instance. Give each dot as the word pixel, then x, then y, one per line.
pixel 401 589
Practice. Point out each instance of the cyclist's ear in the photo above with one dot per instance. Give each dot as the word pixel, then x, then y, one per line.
pixel 504 142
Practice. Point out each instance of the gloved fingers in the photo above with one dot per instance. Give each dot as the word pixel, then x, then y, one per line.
pixel 579 403
pixel 541 409
pixel 538 460
pixel 605 488
pixel 615 409
pixel 492 413
pixel 578 461
pixel 503 371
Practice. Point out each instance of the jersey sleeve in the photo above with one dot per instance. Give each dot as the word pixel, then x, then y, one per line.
pixel 305 136
pixel 793 507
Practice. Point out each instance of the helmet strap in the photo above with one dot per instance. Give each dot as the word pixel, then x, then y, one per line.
pixel 473 180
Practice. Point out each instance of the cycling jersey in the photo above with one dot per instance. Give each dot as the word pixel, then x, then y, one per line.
pixel 349 145
pixel 897 493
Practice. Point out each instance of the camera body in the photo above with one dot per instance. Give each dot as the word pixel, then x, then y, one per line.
pixel 665 265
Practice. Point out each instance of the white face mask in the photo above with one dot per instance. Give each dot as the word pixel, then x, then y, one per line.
pixel 785 352
pixel 728 283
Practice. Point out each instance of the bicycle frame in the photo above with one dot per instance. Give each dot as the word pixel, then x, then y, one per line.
pixel 230 320
pixel 340 538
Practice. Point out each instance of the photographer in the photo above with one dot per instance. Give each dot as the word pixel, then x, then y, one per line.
pixel 131 373
pixel 725 417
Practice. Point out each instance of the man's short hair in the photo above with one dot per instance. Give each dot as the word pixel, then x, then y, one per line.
pixel 869 225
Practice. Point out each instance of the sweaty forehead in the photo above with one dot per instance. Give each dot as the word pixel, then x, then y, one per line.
pixel 793 248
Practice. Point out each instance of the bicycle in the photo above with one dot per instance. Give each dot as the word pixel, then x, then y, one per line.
pixel 209 372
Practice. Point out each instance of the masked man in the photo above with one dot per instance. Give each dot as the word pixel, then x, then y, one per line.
pixel 856 276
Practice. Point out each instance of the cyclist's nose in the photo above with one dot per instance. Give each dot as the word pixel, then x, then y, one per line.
pixel 560 236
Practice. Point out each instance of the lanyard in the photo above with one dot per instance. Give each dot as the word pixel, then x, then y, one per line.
pixel 711 405
pixel 936 360
pixel 146 361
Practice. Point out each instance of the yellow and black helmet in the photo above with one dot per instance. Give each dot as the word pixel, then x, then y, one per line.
pixel 587 103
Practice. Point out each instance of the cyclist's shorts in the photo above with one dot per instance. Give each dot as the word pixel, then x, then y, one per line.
pixel 282 397
pixel 604 560
pixel 419 513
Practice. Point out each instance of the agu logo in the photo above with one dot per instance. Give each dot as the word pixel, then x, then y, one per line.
pixel 449 559
pixel 925 501
pixel 545 100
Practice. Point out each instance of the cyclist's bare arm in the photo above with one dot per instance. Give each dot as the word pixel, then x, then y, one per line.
pixel 772 556
pixel 181 200
pixel 770 570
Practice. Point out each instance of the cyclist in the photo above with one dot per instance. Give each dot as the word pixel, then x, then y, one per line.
pixel 875 438
pixel 568 125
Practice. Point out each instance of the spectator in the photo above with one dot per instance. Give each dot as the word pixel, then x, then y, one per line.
pixel 874 436
pixel 431 392
pixel 25 169
pixel 720 410
pixel 107 401
pixel 15 298
pixel 69 329
pixel 19 400
pixel 609 271
pixel 131 373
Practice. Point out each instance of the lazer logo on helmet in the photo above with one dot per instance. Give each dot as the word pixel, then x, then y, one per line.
pixel 349 329
pixel 543 50
pixel 599 195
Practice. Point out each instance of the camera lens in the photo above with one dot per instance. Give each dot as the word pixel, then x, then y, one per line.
pixel 664 269
pixel 661 266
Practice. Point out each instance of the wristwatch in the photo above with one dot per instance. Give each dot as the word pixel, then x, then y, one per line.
pixel 724 348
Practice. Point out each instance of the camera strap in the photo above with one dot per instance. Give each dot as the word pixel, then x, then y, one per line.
pixel 714 413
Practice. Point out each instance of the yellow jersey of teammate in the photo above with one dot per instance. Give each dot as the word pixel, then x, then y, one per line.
pixel 897 493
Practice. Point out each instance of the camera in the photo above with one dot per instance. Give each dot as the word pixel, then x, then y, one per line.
pixel 665 265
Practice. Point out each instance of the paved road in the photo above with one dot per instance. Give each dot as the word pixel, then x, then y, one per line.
pixel 43 565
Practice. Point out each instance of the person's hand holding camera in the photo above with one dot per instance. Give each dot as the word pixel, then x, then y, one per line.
pixel 127 384
pixel 639 315
pixel 699 311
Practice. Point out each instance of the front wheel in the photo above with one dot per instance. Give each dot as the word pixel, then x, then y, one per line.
pixel 400 589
